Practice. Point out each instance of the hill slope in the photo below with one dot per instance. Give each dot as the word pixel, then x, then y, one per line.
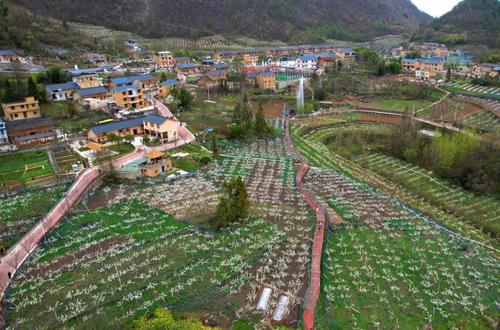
pixel 286 20
pixel 471 21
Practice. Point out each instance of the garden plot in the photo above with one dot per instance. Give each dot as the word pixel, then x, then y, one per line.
pixel 406 275
pixel 268 171
pixel 391 268
pixel 108 266
pixel 477 209
pixel 484 121
pixel 450 110
pixel 319 155
pixel 20 212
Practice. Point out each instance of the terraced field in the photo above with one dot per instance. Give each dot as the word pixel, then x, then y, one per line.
pixel 484 121
pixel 386 265
pixel 129 253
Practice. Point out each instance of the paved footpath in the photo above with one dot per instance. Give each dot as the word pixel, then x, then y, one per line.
pixel 317 248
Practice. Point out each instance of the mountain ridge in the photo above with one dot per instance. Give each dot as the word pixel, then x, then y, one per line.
pixel 291 21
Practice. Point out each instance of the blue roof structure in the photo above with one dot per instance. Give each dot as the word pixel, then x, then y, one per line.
pixel 267 74
pixel 182 58
pixel 408 60
pixel 215 73
pixel 187 65
pixel 91 91
pixel 169 82
pixel 221 66
pixel 61 87
pixel 6 52
pixel 433 60
pixel 251 75
pixel 125 88
pixel 123 124
pixel 128 80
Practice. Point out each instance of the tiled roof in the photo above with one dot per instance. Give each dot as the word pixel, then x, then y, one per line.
pixel 187 65
pixel 123 124
pixel 125 88
pixel 63 86
pixel 169 82
pixel 267 74
pixel 29 123
pixel 91 91
pixel 131 79
pixel 6 52
pixel 215 73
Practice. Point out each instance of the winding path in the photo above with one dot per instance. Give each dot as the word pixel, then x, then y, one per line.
pixel 317 247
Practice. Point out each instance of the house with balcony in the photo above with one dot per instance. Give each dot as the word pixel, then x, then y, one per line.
pixel 26 109
pixel 130 98
pixel 266 80
pixel 156 127
pixel 163 59
pixel 156 164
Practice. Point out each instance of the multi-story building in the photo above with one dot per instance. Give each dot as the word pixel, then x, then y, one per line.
pixel 145 81
pixel 26 109
pixel 163 59
pixel 157 127
pixel 99 93
pixel 250 58
pixel 129 97
pixel 486 69
pixel 88 81
pixel 3 132
pixel 266 80
pixel 427 67
pixel 167 85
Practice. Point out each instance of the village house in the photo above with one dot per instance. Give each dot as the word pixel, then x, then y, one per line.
pixel 31 132
pixel 251 78
pixel 250 58
pixel 486 69
pixel 167 86
pixel 307 62
pixel 145 81
pixel 327 61
pixel 187 68
pixel 424 68
pixel 346 55
pixel 181 60
pixel 213 79
pixel 7 55
pixel 163 59
pixel 61 92
pixel 99 93
pixel 3 132
pixel 156 164
pixel 266 80
pixel 157 127
pixel 26 109
pixel 129 97
pixel 88 81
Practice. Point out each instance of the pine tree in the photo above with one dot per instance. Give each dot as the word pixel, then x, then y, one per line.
pixel 448 75
pixel 246 112
pixel 163 76
pixel 260 122
pixel 10 95
pixel 233 205
pixel 32 88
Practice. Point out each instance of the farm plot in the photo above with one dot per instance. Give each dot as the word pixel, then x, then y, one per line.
pixel 485 121
pixel 450 110
pixel 23 167
pixel 20 212
pixel 319 155
pixel 478 210
pixel 386 267
pixel 108 266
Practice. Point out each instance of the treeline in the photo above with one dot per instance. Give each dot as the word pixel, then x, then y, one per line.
pixel 245 124
pixel 16 88
pixel 464 159
pixel 374 63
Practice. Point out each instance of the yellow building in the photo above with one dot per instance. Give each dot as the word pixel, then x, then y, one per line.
pixel 129 97
pixel 88 81
pixel 266 80
pixel 27 109
pixel 167 85
pixel 250 58
pixel 157 127
pixel 163 59
pixel 156 164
